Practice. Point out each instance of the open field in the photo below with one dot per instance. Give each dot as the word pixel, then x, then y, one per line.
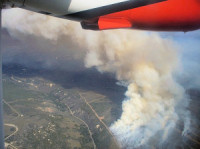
pixel 46 115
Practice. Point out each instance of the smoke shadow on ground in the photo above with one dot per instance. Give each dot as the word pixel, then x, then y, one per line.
pixel 89 79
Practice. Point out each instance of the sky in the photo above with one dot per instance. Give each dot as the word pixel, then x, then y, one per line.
pixel 189 53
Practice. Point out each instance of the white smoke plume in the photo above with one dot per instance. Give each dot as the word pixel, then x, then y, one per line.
pixel 144 62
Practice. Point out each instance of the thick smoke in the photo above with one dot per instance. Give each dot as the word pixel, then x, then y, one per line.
pixel 143 62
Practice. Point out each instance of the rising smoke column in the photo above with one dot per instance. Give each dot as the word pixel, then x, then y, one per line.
pixel 143 62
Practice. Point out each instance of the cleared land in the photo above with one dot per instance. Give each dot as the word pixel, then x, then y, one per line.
pixel 41 114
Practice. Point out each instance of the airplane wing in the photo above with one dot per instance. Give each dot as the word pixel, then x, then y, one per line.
pixel 96 16
pixel 111 8
pixel 157 15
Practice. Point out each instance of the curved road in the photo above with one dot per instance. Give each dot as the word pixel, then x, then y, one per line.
pixel 16 130
pixel 11 125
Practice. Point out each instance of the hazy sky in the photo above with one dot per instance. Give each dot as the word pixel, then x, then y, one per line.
pixel 189 52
